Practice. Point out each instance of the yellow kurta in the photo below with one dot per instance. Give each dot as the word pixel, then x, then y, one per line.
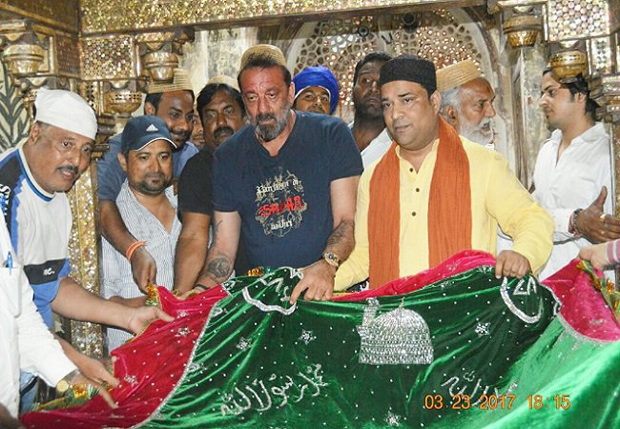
pixel 497 196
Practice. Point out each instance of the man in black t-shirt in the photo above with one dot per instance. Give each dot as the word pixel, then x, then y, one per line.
pixel 286 184
pixel 221 112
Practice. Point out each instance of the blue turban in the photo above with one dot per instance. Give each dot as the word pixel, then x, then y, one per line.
pixel 318 76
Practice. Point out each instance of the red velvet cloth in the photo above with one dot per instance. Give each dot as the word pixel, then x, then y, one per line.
pixel 148 368
pixel 583 307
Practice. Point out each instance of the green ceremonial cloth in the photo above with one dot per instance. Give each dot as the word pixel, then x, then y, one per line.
pixel 392 360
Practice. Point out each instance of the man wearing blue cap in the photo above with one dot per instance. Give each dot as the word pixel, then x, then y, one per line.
pixel 148 208
pixel 316 91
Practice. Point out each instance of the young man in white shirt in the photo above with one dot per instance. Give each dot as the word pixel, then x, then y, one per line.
pixel 572 176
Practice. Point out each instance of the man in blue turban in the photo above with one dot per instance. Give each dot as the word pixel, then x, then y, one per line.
pixel 316 90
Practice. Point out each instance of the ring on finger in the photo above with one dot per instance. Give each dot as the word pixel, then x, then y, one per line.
pixel 602 216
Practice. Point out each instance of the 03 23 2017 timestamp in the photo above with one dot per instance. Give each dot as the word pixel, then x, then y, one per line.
pixel 464 402
pixel 495 402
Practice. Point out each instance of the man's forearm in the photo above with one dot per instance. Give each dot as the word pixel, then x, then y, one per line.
pixel 342 240
pixel 69 350
pixel 75 302
pixel 113 228
pixel 130 302
pixel 217 269
pixel 189 261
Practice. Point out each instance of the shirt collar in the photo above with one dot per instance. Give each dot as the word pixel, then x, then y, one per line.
pixel 592 134
pixel 38 190
pixel 433 149
pixel 126 194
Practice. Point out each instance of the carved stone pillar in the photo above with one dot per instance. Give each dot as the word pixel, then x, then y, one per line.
pixel 35 56
pixel 160 52
pixel 522 29
pixel 217 52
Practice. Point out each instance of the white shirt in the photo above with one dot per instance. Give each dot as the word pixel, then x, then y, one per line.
pixel 573 182
pixel 25 341
pixel 116 275
pixel 39 224
pixel 377 148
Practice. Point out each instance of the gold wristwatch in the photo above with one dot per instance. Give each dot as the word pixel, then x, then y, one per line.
pixel 65 383
pixel 332 259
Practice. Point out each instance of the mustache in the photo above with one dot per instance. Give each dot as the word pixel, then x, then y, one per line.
pixel 69 168
pixel 181 134
pixel 223 131
pixel 159 176
pixel 484 123
pixel 265 117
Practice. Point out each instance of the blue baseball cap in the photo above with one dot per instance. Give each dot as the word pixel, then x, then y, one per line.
pixel 144 130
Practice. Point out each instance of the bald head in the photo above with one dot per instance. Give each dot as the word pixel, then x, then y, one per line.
pixel 469 108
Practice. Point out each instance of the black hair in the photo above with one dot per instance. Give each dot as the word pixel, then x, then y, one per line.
pixel 578 86
pixel 209 91
pixel 155 98
pixel 265 62
pixel 373 56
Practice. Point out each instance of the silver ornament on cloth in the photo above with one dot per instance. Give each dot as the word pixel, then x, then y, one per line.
pixel 399 337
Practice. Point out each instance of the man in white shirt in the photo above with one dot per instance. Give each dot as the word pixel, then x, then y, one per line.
pixel 25 341
pixel 572 176
pixel 368 127
pixel 148 208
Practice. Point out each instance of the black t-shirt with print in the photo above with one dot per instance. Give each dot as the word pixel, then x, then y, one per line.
pixel 284 201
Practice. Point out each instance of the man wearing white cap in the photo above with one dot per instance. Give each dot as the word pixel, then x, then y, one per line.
pixel 467 101
pixel 33 181
pixel 174 103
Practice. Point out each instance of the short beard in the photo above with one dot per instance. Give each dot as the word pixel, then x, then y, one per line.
pixel 270 132
pixel 475 134
pixel 362 111
pixel 144 187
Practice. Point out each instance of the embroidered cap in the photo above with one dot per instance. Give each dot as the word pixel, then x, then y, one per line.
pixel 409 68
pixel 180 82
pixel 456 75
pixel 263 52
pixel 144 130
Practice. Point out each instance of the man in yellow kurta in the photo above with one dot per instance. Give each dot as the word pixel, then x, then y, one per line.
pixel 435 193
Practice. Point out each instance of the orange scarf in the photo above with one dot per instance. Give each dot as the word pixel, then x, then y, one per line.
pixel 449 208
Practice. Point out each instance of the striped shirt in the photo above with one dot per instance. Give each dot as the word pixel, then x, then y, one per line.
pixel 116 275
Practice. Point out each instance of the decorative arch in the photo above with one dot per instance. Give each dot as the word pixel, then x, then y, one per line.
pixel 442 36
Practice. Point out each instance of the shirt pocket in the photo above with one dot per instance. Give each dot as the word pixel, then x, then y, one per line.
pixel 10 288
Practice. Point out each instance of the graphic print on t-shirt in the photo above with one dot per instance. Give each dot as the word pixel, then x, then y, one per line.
pixel 280 203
